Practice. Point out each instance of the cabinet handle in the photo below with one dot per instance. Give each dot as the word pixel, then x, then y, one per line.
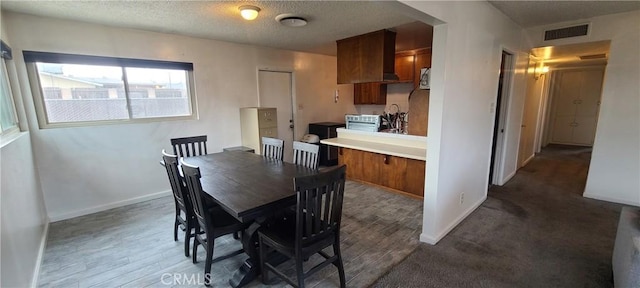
pixel 386 159
pixel 340 151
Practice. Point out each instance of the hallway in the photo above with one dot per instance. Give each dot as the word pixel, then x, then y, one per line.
pixel 535 231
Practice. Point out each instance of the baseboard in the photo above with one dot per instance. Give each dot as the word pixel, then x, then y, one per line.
pixel 526 161
pixel 43 245
pixel 94 209
pixel 434 240
pixel 610 199
pixel 506 179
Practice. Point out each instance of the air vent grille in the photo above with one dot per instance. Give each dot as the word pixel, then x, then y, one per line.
pixel 593 56
pixel 567 32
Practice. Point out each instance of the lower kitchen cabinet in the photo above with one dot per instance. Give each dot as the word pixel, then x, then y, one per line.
pixel 414 183
pixel 398 173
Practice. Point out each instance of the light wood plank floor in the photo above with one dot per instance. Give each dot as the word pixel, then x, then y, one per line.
pixel 133 246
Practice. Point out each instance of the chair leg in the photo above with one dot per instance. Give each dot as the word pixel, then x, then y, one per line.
pixel 175 229
pixel 208 262
pixel 195 249
pixel 187 237
pixel 336 251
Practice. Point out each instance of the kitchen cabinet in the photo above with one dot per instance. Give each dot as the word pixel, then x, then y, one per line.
pixel 370 93
pixel 404 67
pixel 414 178
pixel 392 171
pixel 398 173
pixel 366 58
pixel 255 123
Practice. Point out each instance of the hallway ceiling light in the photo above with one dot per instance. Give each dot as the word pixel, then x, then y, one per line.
pixel 249 12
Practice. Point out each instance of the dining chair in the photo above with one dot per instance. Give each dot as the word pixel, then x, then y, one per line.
pixel 272 148
pixel 184 210
pixel 305 154
pixel 190 146
pixel 213 221
pixel 315 227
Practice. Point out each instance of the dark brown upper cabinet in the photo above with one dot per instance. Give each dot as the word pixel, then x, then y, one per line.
pixel 367 58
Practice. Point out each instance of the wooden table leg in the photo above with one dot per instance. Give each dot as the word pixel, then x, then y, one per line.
pixel 250 269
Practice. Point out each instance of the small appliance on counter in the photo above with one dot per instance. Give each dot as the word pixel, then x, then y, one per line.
pixel 368 123
pixel 328 154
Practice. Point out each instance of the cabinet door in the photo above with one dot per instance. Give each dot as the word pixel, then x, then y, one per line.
pixel 371 166
pixel 414 181
pixel 353 160
pixel 405 67
pixel 392 171
pixel 361 165
pixel 370 93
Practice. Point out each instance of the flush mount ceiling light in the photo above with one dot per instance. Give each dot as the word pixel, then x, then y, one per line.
pixel 291 20
pixel 249 12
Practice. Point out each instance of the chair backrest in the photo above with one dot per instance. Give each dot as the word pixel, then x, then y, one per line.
pixel 272 148
pixel 190 146
pixel 305 154
pixel 319 206
pixel 180 192
pixel 192 177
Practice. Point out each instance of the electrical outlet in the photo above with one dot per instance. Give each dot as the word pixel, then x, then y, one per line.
pixel 461 198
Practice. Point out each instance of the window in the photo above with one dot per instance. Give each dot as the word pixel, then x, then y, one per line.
pixel 8 120
pixel 80 90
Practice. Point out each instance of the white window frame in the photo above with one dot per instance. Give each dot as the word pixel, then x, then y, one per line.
pixel 6 55
pixel 38 95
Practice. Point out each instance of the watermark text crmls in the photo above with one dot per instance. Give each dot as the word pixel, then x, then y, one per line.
pixel 184 279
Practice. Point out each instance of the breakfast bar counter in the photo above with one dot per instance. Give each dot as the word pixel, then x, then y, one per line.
pixel 400 145
pixel 395 161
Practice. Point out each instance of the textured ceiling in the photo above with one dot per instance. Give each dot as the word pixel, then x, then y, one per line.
pixel 328 20
pixel 536 13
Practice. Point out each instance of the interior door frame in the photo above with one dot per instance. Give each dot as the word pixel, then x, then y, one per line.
pixel 291 72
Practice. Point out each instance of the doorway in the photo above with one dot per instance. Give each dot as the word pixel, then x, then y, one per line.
pixel 497 145
pixel 561 109
pixel 275 91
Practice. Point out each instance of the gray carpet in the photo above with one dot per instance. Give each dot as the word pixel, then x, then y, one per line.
pixel 535 231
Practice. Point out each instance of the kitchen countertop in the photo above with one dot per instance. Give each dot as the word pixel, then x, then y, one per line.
pixel 406 146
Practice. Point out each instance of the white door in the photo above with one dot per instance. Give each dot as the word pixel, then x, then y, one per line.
pixel 274 88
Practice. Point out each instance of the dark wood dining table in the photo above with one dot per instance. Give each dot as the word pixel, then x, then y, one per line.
pixel 252 189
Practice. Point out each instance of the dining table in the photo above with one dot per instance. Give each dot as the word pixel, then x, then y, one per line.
pixel 251 188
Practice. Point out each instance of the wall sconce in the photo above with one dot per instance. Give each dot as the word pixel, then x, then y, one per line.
pixel 542 71
pixel 249 12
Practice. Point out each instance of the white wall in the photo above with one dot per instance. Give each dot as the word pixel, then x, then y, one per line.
pixel 22 212
pixel 615 162
pixel 87 169
pixel 465 69
pixel 23 215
